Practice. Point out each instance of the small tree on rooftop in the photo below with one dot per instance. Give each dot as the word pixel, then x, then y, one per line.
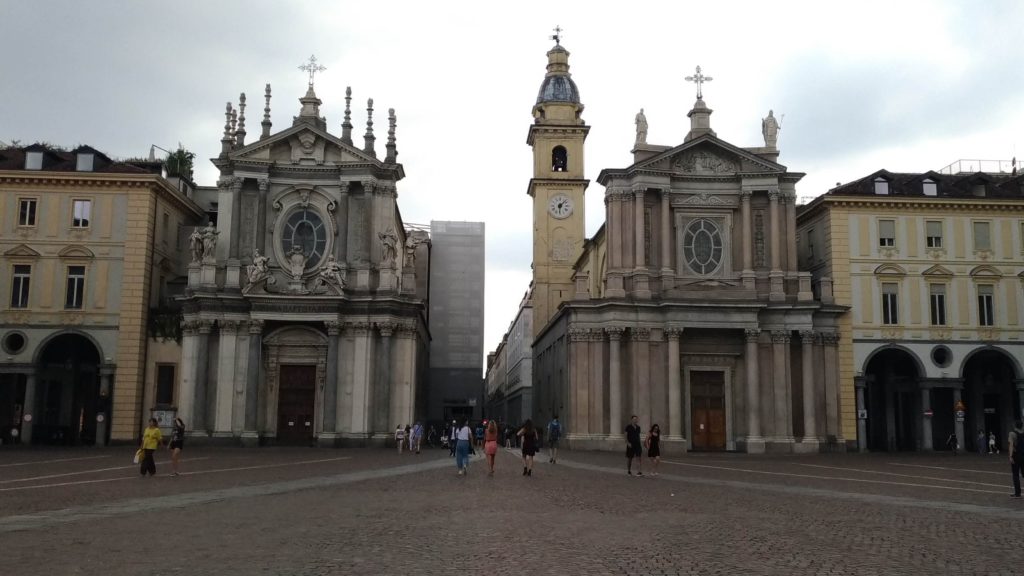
pixel 179 163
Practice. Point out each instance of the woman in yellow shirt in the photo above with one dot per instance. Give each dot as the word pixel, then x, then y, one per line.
pixel 151 440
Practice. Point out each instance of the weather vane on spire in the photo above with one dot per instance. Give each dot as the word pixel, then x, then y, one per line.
pixel 312 67
pixel 558 35
pixel 699 79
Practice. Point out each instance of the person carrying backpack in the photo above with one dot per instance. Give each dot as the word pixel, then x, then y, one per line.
pixel 1016 445
pixel 554 435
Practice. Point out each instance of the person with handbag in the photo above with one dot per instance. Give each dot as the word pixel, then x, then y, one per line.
pixel 529 435
pixel 151 440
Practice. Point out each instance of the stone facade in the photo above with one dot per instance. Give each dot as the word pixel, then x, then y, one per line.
pixel 931 266
pixel 305 317
pixel 688 307
pixel 90 252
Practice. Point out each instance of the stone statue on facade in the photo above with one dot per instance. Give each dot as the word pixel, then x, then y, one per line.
pixel 770 130
pixel 210 243
pixel 410 251
pixel 389 248
pixel 330 275
pixel 641 128
pixel 258 272
pixel 195 244
pixel 296 262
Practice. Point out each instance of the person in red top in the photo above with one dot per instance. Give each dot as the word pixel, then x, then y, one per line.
pixel 491 445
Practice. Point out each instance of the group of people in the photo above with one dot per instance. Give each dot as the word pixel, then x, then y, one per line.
pixel 635 448
pixel 409 437
pixel 153 438
pixel 488 434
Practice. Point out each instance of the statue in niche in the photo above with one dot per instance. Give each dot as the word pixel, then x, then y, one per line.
pixel 258 272
pixel 770 130
pixel 210 243
pixel 641 128
pixel 195 244
pixel 389 248
pixel 297 262
pixel 330 275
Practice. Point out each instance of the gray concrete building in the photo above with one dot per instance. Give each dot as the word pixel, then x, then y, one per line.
pixel 456 386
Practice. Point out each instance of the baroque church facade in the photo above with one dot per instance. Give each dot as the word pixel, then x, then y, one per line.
pixel 304 320
pixel 687 306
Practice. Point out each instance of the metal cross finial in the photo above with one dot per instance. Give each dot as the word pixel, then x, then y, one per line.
pixel 312 67
pixel 699 79
pixel 558 35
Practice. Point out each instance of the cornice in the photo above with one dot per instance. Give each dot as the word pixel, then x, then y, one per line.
pixel 931 203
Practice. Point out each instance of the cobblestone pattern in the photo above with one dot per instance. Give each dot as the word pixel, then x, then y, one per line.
pixel 581 516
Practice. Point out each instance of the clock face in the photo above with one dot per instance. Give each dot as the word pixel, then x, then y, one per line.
pixel 560 206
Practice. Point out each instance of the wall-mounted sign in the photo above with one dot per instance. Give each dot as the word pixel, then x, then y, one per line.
pixel 862 414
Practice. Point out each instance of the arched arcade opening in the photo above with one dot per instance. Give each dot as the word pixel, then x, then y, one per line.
pixel 67 398
pixel 990 397
pixel 893 401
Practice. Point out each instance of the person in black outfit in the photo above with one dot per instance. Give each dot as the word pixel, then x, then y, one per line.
pixel 633 447
pixel 177 444
pixel 653 443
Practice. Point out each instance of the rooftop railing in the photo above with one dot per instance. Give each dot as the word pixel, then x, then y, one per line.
pixel 987 166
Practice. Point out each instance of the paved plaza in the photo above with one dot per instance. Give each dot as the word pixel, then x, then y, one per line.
pixel 368 511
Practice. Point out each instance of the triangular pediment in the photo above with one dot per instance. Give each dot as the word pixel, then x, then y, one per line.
pixel 938 270
pixel 22 251
pixel 302 143
pixel 75 252
pixel 707 155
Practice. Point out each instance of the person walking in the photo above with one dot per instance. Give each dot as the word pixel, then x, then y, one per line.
pixel 177 443
pixel 463 437
pixel 453 438
pixel 151 440
pixel 554 435
pixel 992 448
pixel 400 437
pixel 529 435
pixel 491 445
pixel 508 436
pixel 633 447
pixel 1015 442
pixel 408 436
pixel 653 443
pixel 417 437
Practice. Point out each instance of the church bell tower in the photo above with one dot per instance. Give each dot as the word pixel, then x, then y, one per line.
pixel 557 187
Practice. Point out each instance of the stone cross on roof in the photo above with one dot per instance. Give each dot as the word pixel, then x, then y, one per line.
pixel 312 67
pixel 699 79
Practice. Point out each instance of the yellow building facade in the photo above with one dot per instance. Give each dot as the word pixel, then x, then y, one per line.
pixel 932 268
pixel 88 247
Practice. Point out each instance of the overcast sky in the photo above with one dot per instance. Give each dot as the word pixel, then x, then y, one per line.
pixel 902 85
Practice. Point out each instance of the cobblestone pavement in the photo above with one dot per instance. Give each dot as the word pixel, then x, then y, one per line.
pixel 308 511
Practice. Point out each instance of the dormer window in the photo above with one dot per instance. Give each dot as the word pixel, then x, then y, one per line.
pixel 33 161
pixel 559 159
pixel 930 188
pixel 881 186
pixel 85 162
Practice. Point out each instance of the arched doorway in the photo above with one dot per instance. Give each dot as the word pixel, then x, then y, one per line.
pixel 67 391
pixel 893 401
pixel 990 396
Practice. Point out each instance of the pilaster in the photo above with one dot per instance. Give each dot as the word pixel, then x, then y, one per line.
pixel 810 441
pixel 327 435
pixel 250 433
pixel 615 380
pixel 755 441
pixel 675 396
pixel 225 377
pixel 783 423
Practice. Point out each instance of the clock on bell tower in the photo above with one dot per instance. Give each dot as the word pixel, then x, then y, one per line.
pixel 557 187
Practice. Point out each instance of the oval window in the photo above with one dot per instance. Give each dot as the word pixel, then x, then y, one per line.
pixel 305 228
pixel 702 246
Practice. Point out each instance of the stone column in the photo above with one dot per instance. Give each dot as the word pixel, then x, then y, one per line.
pixel 748 240
pixel 776 276
pixel 755 442
pixel 189 371
pixel 790 200
pixel 614 381
pixel 341 222
pixel 385 381
pixel 614 276
pixel 200 408
pixel 250 433
pixel 830 361
pixel 638 232
pixel 222 403
pixel 675 394
pixel 783 431
pixel 959 425
pixel 29 409
pixel 261 215
pixel 926 421
pixel 862 424
pixel 330 402
pixel 1020 396
pixel 667 269
pixel 362 378
pixel 611 213
pixel 810 438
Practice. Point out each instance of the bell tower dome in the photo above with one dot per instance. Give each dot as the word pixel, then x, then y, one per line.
pixel 557 136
